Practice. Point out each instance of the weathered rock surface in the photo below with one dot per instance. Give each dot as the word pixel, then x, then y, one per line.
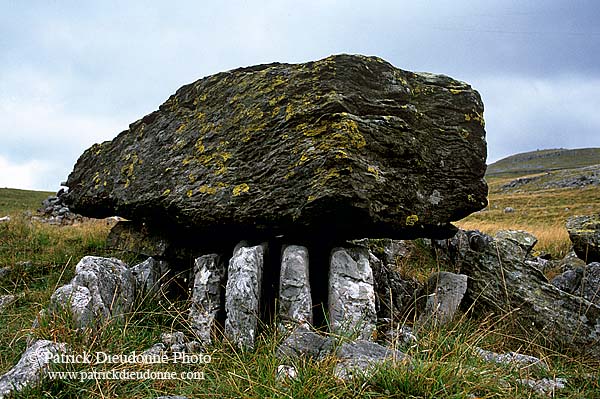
pixel 360 358
pixel 522 238
pixel 102 288
pixel 305 342
pixel 499 279
pixel 295 302
pixel 209 280
pixel 545 386
pixel 512 359
pixel 583 282
pixel 443 294
pixel 31 367
pixel 347 146
pixel 351 293
pixel 394 294
pixel 137 238
pixel 584 232
pixel 243 294
pixel 149 276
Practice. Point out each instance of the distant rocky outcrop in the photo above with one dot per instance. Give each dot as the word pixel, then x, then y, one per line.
pixel 345 147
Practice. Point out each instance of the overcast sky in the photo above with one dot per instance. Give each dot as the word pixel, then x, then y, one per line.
pixel 73 73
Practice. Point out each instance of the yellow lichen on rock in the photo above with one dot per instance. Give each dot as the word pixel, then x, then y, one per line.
pixel 240 189
pixel 411 220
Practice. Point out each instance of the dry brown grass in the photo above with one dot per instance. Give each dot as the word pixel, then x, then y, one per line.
pixel 542 212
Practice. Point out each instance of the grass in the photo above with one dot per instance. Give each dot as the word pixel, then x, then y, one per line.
pixel 444 365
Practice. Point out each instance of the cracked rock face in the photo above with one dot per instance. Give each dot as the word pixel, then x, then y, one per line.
pixel 351 293
pixel 242 295
pixel 348 146
pixel 295 303
pixel 209 278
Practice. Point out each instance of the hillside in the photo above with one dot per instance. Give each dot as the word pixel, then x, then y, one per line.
pixel 543 161
pixel 14 200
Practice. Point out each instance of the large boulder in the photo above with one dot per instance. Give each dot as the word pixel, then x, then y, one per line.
pixel 584 232
pixel 348 146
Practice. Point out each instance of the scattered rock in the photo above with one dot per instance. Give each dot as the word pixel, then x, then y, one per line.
pixel 172 397
pixel 5 219
pixel 295 303
pixel 444 292
pixel 34 364
pixel 286 372
pixel 6 301
pixel 351 293
pixel 584 232
pixel 399 335
pixel 4 272
pixel 242 295
pixel 55 211
pixel 207 306
pixel 522 238
pixel 303 341
pixel 499 279
pixel 512 359
pixel 361 358
pixel 545 386
pixel 371 150
pixel 102 288
pixel 509 209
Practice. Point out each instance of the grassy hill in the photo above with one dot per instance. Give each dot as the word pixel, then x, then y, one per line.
pixel 544 188
pixel 543 161
pixel 13 200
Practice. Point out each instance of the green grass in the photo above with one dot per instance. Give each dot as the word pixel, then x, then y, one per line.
pixel 13 201
pixel 443 362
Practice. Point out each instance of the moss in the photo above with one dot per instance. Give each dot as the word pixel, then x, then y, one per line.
pixel 240 189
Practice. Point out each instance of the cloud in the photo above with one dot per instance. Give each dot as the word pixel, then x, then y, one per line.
pixel 26 175
pixel 524 113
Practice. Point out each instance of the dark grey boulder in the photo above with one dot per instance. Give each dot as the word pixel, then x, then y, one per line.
pixel 348 146
pixel 584 232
